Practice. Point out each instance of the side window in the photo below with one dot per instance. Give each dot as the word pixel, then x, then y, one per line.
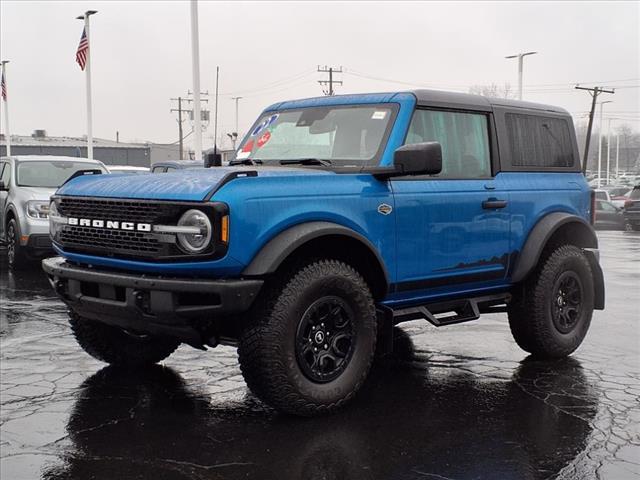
pixel 170 169
pixel 539 141
pixel 157 170
pixel 464 138
pixel 6 173
pixel 607 207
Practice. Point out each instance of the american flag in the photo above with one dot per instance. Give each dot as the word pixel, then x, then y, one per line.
pixel 4 87
pixel 83 50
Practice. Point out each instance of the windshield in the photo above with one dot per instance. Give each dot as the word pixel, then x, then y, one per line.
pixel 345 135
pixel 50 174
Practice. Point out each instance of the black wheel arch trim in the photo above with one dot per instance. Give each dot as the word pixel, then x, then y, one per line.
pixel 276 250
pixel 538 239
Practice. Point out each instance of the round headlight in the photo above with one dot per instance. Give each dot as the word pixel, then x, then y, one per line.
pixel 199 240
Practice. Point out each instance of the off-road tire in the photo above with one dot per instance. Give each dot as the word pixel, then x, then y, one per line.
pixel 114 346
pixel 531 316
pixel 16 255
pixel 268 349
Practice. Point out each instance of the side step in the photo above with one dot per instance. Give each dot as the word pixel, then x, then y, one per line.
pixel 453 311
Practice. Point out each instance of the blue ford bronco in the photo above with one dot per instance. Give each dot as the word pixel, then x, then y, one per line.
pixel 339 218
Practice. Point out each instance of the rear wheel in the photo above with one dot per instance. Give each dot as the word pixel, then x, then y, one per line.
pixel 551 313
pixel 310 339
pixel 119 347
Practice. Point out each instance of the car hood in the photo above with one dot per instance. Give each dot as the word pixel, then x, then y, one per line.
pixel 36 193
pixel 184 185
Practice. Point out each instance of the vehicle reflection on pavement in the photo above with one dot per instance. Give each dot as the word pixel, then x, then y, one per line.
pixel 457 402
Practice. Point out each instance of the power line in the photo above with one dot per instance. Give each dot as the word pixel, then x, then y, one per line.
pixel 270 85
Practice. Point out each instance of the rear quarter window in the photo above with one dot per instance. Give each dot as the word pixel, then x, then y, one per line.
pixel 538 143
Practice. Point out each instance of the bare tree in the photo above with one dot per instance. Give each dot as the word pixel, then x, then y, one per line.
pixel 493 90
pixel 629 147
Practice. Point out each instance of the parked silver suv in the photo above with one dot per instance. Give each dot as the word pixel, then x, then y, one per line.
pixel 26 183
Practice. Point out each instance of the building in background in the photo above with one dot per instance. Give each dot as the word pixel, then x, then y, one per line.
pixel 107 151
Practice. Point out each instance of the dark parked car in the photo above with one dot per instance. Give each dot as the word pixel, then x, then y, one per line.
pixel 632 208
pixel 164 167
pixel 609 217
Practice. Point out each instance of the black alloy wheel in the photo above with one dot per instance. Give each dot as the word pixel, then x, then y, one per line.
pixel 567 301
pixel 325 339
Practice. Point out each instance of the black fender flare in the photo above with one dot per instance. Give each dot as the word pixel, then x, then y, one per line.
pixel 276 250
pixel 538 239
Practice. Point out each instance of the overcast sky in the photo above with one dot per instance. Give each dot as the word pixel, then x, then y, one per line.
pixel 268 51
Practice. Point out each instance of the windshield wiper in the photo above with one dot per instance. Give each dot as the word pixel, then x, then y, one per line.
pixel 306 161
pixel 246 161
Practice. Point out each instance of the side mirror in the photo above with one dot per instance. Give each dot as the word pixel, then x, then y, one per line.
pixel 3 187
pixel 418 159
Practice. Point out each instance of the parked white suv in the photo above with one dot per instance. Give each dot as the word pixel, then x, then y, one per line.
pixel 26 183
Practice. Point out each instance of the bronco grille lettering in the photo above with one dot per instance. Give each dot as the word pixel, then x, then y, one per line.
pixel 109 224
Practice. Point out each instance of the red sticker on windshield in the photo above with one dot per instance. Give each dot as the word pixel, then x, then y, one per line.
pixel 248 146
pixel 266 136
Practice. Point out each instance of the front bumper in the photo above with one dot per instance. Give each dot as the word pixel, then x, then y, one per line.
pixel 33 227
pixel 39 243
pixel 149 304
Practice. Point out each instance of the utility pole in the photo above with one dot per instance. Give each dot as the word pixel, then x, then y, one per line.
pixel 331 81
pixel 594 92
pixel 520 57
pixel 180 136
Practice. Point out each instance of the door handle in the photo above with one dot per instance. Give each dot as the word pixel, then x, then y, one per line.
pixel 492 203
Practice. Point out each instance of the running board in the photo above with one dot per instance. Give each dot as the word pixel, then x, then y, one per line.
pixel 453 311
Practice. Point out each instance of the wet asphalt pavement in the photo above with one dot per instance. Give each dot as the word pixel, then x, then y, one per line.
pixel 459 402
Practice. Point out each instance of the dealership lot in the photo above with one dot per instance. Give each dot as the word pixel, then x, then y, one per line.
pixel 456 402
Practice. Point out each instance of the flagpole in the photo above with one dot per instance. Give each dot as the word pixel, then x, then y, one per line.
pixel 195 59
pixel 85 17
pixel 7 134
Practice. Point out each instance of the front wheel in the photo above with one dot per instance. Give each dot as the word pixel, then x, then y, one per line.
pixel 551 312
pixel 310 339
pixel 16 257
pixel 118 347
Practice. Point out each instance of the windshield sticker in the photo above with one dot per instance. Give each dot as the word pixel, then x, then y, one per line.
pixel 272 120
pixel 258 129
pixel 379 115
pixel 264 139
pixel 246 150
pixel 265 124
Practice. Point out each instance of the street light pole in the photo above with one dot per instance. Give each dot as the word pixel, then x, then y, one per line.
pixel 195 59
pixel 236 99
pixel 600 144
pixel 520 57
pixel 608 150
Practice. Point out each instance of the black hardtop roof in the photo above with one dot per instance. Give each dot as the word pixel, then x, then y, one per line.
pixel 439 98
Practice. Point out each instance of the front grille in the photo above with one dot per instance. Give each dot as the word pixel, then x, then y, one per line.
pixel 133 244
pixel 112 241
pixel 123 210
pixel 118 242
